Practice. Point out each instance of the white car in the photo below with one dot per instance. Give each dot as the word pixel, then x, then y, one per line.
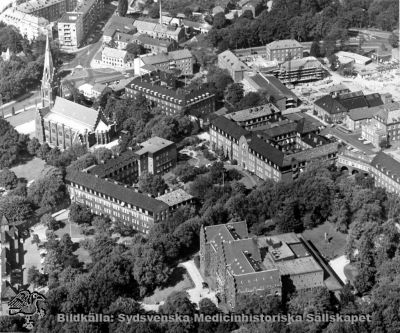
pixel 361 139
pixel 366 142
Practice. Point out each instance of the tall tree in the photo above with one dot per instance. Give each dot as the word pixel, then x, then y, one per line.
pixel 122 7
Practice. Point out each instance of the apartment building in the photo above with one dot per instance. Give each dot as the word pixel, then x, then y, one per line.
pixel 29 26
pixel 284 50
pixel 169 99
pixel 181 60
pixel 74 26
pixel 51 10
pixel 236 264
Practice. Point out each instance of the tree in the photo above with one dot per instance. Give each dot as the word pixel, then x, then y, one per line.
pixel 315 49
pixel 152 184
pixel 33 146
pixel 135 49
pixel 122 7
pixel 317 300
pixel 234 94
pixel 219 20
pixel 154 11
pixel 35 239
pixel 258 303
pixel 394 40
pixel 80 213
pixel 50 222
pixel 188 12
pixel 12 144
pixel 15 208
pixel 35 277
pixel 8 179
pixel 48 191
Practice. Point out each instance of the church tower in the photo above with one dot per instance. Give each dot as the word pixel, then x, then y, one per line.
pixel 48 77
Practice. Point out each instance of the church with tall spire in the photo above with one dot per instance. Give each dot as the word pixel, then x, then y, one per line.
pixel 62 123
pixel 47 89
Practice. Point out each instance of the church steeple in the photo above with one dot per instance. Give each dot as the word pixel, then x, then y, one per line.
pixel 48 76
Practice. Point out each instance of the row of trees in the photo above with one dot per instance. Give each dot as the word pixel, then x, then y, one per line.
pixel 304 20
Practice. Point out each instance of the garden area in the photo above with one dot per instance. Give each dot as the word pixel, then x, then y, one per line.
pixel 178 281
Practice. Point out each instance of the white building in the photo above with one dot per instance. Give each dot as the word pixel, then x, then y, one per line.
pixel 116 58
pixel 28 25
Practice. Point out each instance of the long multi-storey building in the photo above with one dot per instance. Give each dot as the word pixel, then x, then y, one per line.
pixel 160 31
pixel 278 150
pixel 51 10
pixel 169 100
pixel 181 60
pixel 29 26
pixel 236 264
pixel 386 172
pixel 74 26
pixel 107 197
pixel 107 188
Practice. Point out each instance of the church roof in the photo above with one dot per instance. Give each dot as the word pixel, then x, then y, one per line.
pixel 48 69
pixel 73 115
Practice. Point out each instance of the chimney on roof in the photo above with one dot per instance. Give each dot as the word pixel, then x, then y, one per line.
pixel 102 162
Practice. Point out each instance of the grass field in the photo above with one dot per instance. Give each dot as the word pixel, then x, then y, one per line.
pixel 179 281
pixel 29 170
pixel 337 240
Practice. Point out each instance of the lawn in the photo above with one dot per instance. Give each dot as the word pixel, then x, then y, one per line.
pixel 337 240
pixel 179 281
pixel 29 170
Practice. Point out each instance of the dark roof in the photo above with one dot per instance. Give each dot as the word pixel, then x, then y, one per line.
pixel 353 102
pixel 388 165
pixel 305 126
pixel 374 99
pixel 315 140
pixel 229 127
pixel 330 105
pixel 363 113
pixel 116 191
pixel 279 129
pixel 266 150
pixel 113 164
pixel 274 87
pixel 182 99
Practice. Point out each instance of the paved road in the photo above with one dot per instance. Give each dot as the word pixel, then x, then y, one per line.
pixel 32 100
pixel 83 57
pixel 350 139
pixel 22 118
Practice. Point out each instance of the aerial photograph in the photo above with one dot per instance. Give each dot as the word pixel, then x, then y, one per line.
pixel 200 166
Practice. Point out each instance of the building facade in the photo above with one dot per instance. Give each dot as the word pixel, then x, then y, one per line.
pixel 278 152
pixel 74 26
pixel 51 10
pixel 157 156
pixel 28 25
pixel 236 264
pixel 235 67
pixel 171 101
pixel 160 31
pixel 181 60
pixel 115 58
pixel 386 172
pixel 105 197
pixel 384 126
pixel 284 50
